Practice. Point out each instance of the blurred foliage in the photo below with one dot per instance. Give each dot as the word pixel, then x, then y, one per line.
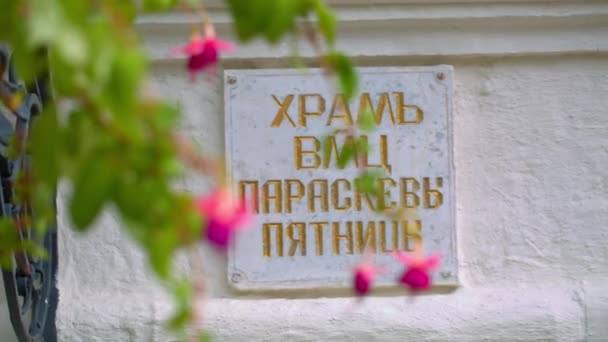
pixel 113 142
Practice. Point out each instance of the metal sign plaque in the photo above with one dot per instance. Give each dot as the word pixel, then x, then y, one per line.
pixel 313 220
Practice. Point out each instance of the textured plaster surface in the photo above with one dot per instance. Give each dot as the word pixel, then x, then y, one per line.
pixel 531 148
pixel 531 154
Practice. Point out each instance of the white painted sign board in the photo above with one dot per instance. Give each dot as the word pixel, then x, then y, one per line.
pixel 312 224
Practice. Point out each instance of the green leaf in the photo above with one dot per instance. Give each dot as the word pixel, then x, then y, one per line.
pixel 327 21
pixel 9 242
pixel 283 18
pixel 205 336
pixel 346 154
pixel 34 248
pixel 366 121
pixel 92 187
pixel 71 45
pixel 103 51
pixel 304 7
pixel 78 129
pixel 171 167
pixel 269 18
pixel 165 116
pixel 129 200
pixel 10 23
pixel 123 85
pixel 139 196
pixel 159 5
pixel 76 11
pixel 179 319
pixel 161 244
pixel 367 182
pixel 52 23
pixel 194 3
pixel 63 79
pixel 44 146
pixel 43 204
pixel 246 23
pixel 362 146
pixel 345 71
pixel 128 8
pixel 182 291
pixel 45 19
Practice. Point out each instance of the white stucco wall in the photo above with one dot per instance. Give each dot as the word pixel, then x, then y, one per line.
pixel 531 151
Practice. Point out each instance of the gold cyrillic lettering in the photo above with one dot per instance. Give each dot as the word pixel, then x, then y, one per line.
pixel 365 104
pixel 282 113
pixel 427 191
pixel 363 197
pixel 368 239
pixel 253 195
pixel 383 154
pixel 335 195
pixel 411 230
pixel 383 183
pixel 278 237
pixel 277 197
pixel 318 226
pixel 299 153
pixel 337 237
pixel 395 237
pixel 301 241
pixel 303 112
pixel 409 199
pixel 314 195
pixel 340 105
pixel 291 194
pixel 331 147
pixel 402 109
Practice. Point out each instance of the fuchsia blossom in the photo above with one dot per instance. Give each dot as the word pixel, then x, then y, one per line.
pixel 364 275
pixel 417 268
pixel 203 52
pixel 225 216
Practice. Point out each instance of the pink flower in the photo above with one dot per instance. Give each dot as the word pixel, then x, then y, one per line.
pixel 417 268
pixel 225 216
pixel 364 275
pixel 203 52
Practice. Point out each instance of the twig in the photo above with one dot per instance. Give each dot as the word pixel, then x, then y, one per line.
pixel 194 160
pixel 195 258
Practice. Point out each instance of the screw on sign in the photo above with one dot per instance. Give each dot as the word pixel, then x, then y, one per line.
pixel 446 274
pixel 236 277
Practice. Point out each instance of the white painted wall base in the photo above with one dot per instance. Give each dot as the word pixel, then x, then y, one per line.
pixel 531 153
pixel 483 314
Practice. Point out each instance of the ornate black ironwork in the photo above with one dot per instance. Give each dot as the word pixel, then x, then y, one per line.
pixel 30 284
